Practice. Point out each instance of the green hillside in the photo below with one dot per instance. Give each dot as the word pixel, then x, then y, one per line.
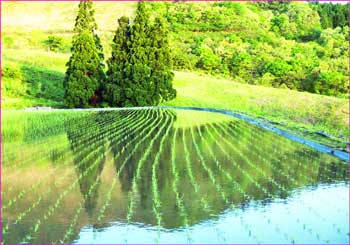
pixel 225 56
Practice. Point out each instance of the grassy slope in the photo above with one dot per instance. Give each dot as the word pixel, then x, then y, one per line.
pixel 59 16
pixel 299 112
pixel 43 73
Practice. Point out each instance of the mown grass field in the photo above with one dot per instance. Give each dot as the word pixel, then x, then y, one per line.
pixel 34 75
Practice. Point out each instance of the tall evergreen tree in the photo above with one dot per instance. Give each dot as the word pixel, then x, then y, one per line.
pixel 139 69
pixel 161 63
pixel 85 67
pixel 82 79
pixel 85 20
pixel 117 81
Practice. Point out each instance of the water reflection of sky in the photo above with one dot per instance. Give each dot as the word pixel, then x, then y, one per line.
pixel 299 219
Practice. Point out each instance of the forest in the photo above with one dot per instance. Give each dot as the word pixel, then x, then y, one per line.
pixel 292 45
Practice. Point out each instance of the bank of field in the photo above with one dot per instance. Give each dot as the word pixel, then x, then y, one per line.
pixel 310 115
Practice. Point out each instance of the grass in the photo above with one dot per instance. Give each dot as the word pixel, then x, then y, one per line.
pixel 28 81
pixel 299 112
pixel 38 76
pixel 55 17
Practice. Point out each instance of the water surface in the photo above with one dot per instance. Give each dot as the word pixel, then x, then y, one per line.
pixel 165 176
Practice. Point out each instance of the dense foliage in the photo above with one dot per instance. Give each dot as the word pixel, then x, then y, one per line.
pixel 85 67
pixel 332 15
pixel 139 69
pixel 292 45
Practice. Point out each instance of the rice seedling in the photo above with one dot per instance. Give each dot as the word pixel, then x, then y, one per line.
pixel 155 170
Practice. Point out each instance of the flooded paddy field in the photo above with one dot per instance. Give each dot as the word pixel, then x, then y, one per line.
pixel 164 176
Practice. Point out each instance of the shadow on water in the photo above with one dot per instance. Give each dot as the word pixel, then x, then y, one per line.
pixel 155 168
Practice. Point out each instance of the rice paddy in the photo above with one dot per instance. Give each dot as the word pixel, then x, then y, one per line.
pixel 164 176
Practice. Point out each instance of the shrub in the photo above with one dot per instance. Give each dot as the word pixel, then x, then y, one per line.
pixel 54 43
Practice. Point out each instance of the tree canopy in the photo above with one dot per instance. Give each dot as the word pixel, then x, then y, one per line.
pixel 276 43
pixel 139 69
pixel 85 67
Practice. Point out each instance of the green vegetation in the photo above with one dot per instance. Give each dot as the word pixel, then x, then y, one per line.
pixel 279 45
pixel 332 15
pixel 84 75
pixel 54 43
pixel 300 112
pixel 250 43
pixel 139 69
pixel 79 167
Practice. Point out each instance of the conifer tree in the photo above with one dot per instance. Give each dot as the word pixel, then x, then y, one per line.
pixel 161 63
pixel 117 81
pixel 85 67
pixel 139 69
pixel 85 20
pixel 82 79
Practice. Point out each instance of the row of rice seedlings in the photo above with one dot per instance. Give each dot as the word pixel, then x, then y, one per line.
pixel 178 198
pixel 70 230
pixel 211 176
pixel 204 202
pixel 19 218
pixel 207 169
pixel 156 199
pixel 255 151
pixel 193 182
pixel 87 152
pixel 291 238
pixel 140 123
pixel 134 188
pixel 140 139
pixel 246 160
pixel 301 173
pixel 21 215
pixel 120 170
pixel 303 155
pixel 188 164
pixel 277 228
pixel 231 180
pixel 235 184
pixel 58 121
pixel 52 208
pixel 62 147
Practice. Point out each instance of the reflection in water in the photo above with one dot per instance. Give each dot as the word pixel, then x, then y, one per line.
pixel 166 176
pixel 249 225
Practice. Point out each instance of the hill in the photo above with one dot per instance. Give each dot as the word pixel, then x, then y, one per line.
pixel 223 53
